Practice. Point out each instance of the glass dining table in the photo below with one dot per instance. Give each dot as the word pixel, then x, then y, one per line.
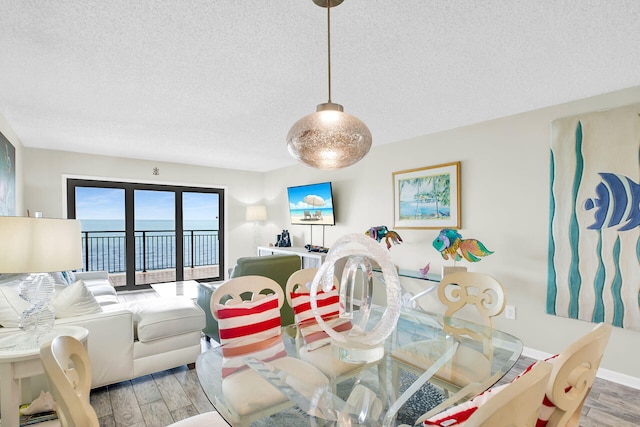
pixel 393 390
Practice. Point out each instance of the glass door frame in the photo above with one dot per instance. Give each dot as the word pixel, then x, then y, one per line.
pixel 129 188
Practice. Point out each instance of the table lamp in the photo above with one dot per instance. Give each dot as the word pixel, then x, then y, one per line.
pixel 38 246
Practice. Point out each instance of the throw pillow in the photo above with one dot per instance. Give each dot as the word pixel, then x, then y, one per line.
pixel 249 328
pixel 59 278
pixel 328 308
pixel 11 305
pixel 75 300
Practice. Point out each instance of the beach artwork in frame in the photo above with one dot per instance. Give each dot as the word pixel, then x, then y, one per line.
pixel 427 198
pixel 7 177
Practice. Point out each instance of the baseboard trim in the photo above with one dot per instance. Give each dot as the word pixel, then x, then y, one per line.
pixel 605 374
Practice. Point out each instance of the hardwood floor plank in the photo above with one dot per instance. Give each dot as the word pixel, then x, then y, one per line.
pixel 107 421
pixel 184 413
pixel 171 390
pixel 156 414
pixel 146 389
pixel 125 406
pixel 99 399
pixel 188 379
pixel 598 418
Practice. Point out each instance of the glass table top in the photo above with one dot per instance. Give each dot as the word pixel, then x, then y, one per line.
pixel 429 362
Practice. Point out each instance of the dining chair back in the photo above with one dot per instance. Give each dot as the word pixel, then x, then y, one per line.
pixel 313 342
pixel 574 371
pixel 468 365
pixel 248 312
pixel 68 368
pixel 517 404
pixel 480 290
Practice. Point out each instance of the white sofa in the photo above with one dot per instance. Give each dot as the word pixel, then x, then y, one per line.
pixel 126 340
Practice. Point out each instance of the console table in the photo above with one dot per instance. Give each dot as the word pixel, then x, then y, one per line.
pixel 307 259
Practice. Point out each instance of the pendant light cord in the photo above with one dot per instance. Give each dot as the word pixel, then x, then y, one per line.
pixel 329 45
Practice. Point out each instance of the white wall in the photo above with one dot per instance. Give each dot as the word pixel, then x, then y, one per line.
pixel 505 204
pixel 44 188
pixel 505 194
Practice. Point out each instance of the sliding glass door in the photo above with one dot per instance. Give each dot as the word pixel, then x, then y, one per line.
pixel 147 233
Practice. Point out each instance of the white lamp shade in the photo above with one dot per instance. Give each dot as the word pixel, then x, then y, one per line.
pixel 39 245
pixel 256 213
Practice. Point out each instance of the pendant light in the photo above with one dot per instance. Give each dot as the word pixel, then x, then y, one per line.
pixel 329 138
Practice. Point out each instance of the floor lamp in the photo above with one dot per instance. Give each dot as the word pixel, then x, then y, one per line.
pixel 38 246
pixel 256 214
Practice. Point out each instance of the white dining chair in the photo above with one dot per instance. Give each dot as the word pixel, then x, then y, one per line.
pixel 468 365
pixel 516 404
pixel 574 371
pixel 68 368
pixel 314 344
pixel 247 309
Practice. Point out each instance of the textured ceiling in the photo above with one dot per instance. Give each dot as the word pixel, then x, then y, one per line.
pixel 219 83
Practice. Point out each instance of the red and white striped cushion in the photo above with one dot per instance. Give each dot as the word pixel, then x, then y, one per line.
pixel 250 328
pixel 328 308
pixel 457 415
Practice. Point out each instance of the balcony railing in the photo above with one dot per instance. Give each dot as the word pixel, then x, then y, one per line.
pixel 154 250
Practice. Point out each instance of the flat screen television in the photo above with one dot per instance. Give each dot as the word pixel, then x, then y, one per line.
pixel 311 204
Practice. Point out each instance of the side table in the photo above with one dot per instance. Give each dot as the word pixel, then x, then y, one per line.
pixel 17 365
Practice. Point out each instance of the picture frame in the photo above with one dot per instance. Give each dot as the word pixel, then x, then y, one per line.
pixel 427 198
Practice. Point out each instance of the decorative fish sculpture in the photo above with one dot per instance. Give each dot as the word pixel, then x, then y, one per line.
pixel 450 244
pixel 382 232
pixel 617 203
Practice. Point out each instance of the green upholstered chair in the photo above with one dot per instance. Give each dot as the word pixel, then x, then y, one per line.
pixel 275 267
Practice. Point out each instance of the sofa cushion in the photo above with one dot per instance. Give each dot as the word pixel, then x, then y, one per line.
pixel 165 317
pixel 75 300
pixel 11 305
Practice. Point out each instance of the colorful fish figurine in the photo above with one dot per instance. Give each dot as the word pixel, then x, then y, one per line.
pixel 450 244
pixel 617 203
pixel 382 232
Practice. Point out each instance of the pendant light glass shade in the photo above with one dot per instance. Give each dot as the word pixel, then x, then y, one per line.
pixel 329 138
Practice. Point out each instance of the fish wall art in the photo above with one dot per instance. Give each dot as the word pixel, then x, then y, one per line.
pixel 594 227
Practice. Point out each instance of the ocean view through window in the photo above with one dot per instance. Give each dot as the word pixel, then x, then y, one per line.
pixel 132 231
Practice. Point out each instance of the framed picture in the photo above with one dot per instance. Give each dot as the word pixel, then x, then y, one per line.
pixel 427 198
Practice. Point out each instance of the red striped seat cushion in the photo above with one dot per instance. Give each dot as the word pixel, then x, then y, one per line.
pixel 459 414
pixel 328 308
pixel 250 328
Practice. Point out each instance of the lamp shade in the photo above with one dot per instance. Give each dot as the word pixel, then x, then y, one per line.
pixel 39 245
pixel 329 138
pixel 256 213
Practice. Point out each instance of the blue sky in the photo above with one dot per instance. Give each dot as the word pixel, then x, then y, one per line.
pixel 108 203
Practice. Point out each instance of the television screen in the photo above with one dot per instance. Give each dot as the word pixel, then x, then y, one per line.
pixel 311 204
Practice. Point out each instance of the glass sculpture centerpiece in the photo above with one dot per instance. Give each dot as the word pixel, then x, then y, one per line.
pixel 363 343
